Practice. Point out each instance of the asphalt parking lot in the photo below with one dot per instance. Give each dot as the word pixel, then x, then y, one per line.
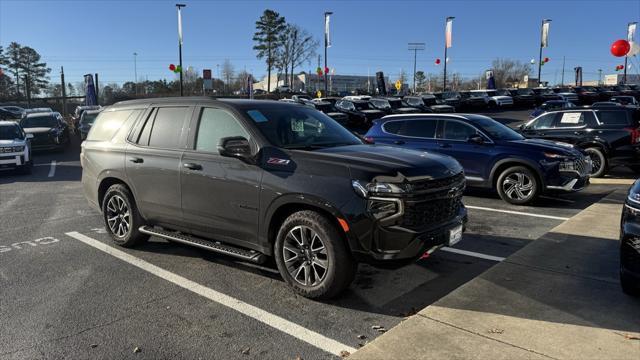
pixel 67 292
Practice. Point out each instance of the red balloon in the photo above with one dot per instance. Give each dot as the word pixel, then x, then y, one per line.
pixel 620 48
pixel 437 61
pixel 172 67
pixel 326 70
pixel 621 67
pixel 546 59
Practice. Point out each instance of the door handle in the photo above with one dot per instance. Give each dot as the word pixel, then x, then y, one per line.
pixel 444 145
pixel 577 133
pixel 192 166
pixel 399 142
pixel 136 160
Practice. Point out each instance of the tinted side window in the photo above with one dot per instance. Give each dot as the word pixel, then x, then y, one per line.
pixel 544 122
pixel 420 128
pixel 613 118
pixel 108 123
pixel 214 125
pixel 143 139
pixel 454 130
pixel 393 127
pixel 167 127
pixel 571 119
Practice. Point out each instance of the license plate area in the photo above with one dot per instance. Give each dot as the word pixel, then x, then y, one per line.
pixel 455 235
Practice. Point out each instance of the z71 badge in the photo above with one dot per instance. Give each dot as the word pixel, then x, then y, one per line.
pixel 276 161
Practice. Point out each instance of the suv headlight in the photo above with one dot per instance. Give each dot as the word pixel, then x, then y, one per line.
pixel 18 148
pixel 366 189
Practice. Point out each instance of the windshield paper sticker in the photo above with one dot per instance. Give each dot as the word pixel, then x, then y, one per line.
pixel 257 116
pixel 571 118
pixel 297 125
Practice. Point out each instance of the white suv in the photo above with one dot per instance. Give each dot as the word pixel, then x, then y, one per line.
pixel 493 99
pixel 15 147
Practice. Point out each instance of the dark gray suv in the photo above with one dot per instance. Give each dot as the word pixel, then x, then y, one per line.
pixel 258 179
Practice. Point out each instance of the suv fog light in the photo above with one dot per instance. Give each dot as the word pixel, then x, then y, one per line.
pixel 384 209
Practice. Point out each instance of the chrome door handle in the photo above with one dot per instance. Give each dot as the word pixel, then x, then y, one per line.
pixel 136 160
pixel 192 166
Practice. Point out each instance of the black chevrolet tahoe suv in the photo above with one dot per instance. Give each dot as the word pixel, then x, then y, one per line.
pixel 257 179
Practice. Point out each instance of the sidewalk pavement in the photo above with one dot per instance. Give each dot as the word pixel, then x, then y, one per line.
pixel 557 298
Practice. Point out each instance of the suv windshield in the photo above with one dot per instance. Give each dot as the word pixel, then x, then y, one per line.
pixel 10 132
pixel 525 92
pixel 39 121
pixel 301 128
pixel 380 103
pixel 496 130
pixel 88 119
pixel 362 105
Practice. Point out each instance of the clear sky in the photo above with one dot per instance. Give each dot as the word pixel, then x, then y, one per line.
pixel 101 36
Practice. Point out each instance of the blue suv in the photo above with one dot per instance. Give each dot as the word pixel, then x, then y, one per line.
pixel 492 155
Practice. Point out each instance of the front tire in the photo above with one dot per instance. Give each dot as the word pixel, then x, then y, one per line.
pixel 121 217
pixel 518 185
pixel 312 256
pixel 599 162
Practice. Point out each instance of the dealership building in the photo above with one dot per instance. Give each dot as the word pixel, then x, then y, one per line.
pixel 304 82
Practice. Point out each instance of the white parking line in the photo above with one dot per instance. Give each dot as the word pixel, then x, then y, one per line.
pixel 471 253
pixel 517 213
pixel 301 333
pixel 52 169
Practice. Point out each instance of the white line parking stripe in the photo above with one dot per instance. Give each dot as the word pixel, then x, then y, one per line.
pixel 52 169
pixel 311 337
pixel 471 253
pixel 517 213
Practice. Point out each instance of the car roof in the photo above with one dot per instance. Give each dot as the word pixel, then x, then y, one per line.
pixel 8 123
pixel 469 117
pixel 41 113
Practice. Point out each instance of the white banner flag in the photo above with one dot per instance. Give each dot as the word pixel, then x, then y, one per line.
pixel 179 26
pixel 631 32
pixel 326 29
pixel 448 33
pixel 545 34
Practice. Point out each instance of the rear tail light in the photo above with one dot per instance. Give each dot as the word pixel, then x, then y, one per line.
pixel 635 135
pixel 369 140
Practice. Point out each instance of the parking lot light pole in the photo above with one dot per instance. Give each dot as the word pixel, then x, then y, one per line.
pixel 415 47
pixel 327 43
pixel 543 44
pixel 180 6
pixel 135 72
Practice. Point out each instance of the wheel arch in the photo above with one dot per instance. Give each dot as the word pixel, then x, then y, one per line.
pixel 106 183
pixel 504 164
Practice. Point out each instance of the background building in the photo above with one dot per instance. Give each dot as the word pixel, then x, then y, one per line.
pixel 311 83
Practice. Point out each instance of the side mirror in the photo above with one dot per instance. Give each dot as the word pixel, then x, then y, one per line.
pixel 236 147
pixel 476 139
pixel 29 136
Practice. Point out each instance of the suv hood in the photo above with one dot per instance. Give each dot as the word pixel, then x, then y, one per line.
pixel 550 146
pixel 16 142
pixel 376 160
pixel 501 97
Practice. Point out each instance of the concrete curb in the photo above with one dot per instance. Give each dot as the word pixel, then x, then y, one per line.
pixel 557 298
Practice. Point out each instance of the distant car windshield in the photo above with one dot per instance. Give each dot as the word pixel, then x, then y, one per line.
pixel 525 92
pixel 504 92
pixel 380 103
pixel 10 132
pixel 496 130
pixel 300 128
pixel 395 103
pixel 362 105
pixel 39 121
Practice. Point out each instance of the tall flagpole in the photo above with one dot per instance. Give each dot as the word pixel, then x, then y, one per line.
pixel 180 6
pixel 327 44
pixel 447 44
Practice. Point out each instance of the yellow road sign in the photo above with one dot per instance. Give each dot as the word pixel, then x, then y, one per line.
pixel 398 85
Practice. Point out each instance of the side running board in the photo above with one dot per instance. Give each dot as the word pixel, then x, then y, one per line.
pixel 215 246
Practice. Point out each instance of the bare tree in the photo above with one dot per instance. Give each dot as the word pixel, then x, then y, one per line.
pixel 228 72
pixel 303 47
pixel 507 71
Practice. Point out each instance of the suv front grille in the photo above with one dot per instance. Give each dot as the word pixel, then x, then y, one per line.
pixel 434 202
pixel 582 166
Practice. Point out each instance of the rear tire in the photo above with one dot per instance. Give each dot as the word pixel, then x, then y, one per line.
pixel 599 162
pixel 518 185
pixel 121 217
pixel 313 257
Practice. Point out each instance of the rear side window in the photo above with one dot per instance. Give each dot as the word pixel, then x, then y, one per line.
pixel 167 127
pixel 214 125
pixel 420 128
pixel 572 119
pixel 393 127
pixel 108 123
pixel 615 118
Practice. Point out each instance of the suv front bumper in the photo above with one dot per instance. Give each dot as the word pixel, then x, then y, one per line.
pixel 12 160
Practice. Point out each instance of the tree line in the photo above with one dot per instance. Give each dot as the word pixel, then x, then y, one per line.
pixel 22 72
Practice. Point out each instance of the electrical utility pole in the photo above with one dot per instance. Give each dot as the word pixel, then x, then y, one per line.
pixel 544 42
pixel 180 6
pixel 327 44
pixel 415 47
pixel 135 72
pixel 97 90
pixel 64 92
